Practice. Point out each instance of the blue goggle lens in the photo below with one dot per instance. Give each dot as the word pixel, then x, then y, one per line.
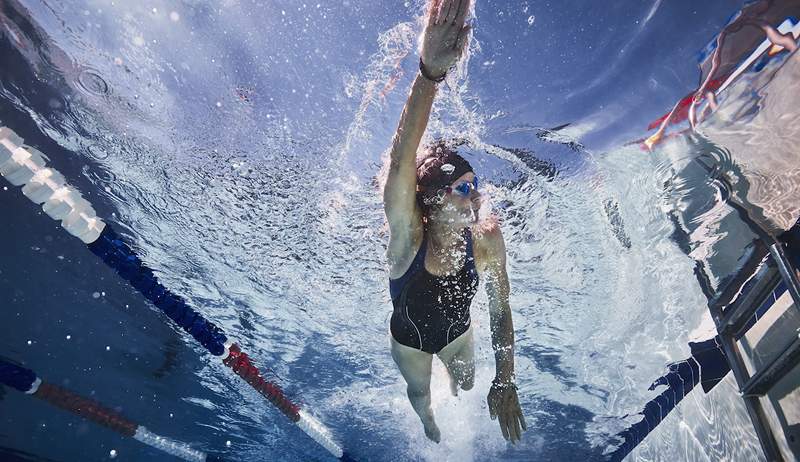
pixel 466 187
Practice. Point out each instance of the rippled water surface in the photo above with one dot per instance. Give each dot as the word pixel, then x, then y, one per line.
pixel 238 145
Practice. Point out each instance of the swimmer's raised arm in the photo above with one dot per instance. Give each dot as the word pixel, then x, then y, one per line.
pixel 443 44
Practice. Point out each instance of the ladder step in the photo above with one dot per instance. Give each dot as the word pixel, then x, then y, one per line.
pixel 764 379
pixel 755 254
pixel 757 291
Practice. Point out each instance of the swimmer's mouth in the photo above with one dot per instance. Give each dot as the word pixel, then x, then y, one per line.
pixel 473 212
pixel 475 206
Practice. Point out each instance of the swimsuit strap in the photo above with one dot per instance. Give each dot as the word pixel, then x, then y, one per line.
pixel 469 263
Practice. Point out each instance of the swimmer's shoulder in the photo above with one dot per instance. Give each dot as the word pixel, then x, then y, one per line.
pixel 404 243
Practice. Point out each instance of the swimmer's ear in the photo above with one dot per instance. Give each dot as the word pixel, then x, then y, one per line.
pixel 463 39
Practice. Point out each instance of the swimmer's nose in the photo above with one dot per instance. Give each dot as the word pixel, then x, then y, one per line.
pixel 475 197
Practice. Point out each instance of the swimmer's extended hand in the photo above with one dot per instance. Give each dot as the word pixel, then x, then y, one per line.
pixel 445 35
pixel 504 404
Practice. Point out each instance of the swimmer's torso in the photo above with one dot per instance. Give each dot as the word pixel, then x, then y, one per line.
pixel 431 311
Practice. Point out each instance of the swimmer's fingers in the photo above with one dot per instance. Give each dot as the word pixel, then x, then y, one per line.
pixel 516 435
pixel 433 12
pixel 445 6
pixel 463 39
pixel 492 407
pixel 512 416
pixel 522 420
pixel 461 14
pixel 510 412
pixel 452 11
pixel 504 425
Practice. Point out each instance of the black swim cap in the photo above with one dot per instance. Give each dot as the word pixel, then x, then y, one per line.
pixel 438 169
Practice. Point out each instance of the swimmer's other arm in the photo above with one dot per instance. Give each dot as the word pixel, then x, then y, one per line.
pixel 503 401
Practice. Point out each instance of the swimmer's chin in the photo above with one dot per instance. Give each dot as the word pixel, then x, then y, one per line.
pixel 467 218
pixel 474 215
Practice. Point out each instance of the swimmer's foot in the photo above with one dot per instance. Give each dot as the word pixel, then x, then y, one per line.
pixel 454 386
pixel 432 431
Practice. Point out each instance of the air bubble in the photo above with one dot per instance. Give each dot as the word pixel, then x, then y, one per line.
pixel 97 152
pixel 92 82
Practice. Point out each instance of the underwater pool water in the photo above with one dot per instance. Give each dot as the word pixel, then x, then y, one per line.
pixel 237 145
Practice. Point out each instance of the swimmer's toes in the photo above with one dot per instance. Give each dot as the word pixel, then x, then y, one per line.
pixel 433 433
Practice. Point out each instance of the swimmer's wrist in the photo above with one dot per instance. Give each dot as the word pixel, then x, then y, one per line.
pixel 425 72
pixel 503 383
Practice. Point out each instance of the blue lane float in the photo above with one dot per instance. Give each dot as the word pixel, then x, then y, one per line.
pixel 25 166
pixel 110 247
pixel 708 365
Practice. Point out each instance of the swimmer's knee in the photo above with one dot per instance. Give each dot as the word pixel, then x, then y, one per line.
pixel 468 377
pixel 417 392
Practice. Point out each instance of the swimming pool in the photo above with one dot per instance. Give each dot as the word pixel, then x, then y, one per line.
pixel 236 146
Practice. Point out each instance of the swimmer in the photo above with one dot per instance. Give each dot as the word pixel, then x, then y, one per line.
pixel 438 249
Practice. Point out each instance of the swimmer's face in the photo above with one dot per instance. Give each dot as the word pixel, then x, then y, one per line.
pixel 458 208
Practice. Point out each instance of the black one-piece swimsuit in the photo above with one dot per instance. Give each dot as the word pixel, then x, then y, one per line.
pixel 431 311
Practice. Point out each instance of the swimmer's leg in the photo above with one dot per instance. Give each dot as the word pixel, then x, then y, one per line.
pixel 415 365
pixel 459 359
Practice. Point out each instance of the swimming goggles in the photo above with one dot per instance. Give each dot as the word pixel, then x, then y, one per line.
pixel 463 188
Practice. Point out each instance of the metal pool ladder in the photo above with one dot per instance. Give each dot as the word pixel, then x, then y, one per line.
pixel 766 274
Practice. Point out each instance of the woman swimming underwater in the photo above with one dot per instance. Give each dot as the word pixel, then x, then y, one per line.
pixel 438 249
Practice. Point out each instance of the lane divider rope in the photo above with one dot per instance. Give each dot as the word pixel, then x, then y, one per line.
pixel 26 381
pixel 25 166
